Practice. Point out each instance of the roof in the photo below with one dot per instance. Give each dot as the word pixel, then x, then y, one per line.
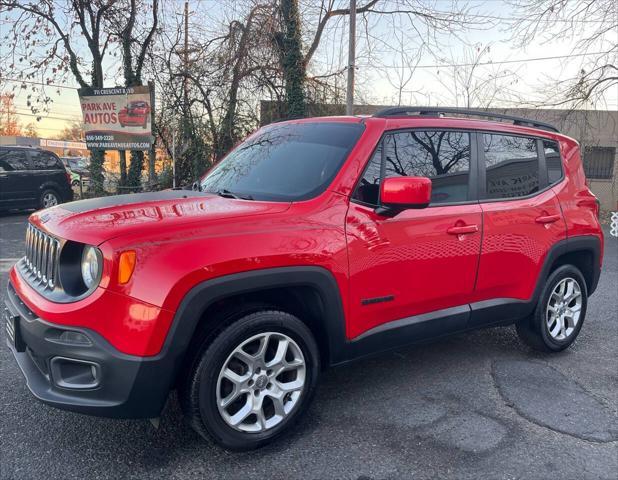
pixel 442 111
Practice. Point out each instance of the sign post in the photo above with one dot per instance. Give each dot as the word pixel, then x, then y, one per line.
pixel 152 155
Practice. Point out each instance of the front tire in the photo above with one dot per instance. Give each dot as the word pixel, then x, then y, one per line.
pixel 253 381
pixel 559 314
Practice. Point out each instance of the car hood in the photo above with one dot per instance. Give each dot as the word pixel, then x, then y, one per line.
pixel 97 220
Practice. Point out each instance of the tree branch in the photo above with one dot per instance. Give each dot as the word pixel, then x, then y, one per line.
pixel 322 24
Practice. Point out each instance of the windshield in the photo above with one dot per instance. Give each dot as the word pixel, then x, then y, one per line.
pixel 286 162
pixel 78 163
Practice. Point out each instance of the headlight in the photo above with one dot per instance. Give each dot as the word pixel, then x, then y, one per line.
pixel 91 266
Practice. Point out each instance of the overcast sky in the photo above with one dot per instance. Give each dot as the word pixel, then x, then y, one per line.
pixel 385 59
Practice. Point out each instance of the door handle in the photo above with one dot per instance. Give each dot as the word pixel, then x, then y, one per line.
pixel 463 230
pixel 547 219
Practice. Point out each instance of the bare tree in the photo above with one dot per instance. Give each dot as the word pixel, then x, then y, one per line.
pixel 52 40
pixel 73 131
pixel 235 60
pixel 408 58
pixel 231 63
pixel 593 24
pixel 472 82
pixel 403 30
pixel 30 131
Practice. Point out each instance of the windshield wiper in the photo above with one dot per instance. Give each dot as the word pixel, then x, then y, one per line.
pixel 227 194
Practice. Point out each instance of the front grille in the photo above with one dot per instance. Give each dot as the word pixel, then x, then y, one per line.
pixel 10 330
pixel 41 261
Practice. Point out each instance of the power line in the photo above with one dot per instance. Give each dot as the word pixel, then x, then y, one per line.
pixel 523 60
pixel 43 116
pixel 446 14
pixel 444 65
pixel 30 82
pixel 20 103
pixel 68 116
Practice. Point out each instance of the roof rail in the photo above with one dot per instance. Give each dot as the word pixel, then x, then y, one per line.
pixel 440 111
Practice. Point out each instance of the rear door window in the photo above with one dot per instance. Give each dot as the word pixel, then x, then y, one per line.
pixel 13 160
pixel 44 161
pixel 511 166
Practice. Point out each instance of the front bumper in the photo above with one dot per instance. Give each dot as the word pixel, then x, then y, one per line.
pixel 85 373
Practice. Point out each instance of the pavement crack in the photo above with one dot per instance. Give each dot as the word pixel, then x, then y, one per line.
pixel 544 396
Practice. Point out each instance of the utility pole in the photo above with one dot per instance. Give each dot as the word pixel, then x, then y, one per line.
pixel 185 103
pixel 349 107
pixel 174 157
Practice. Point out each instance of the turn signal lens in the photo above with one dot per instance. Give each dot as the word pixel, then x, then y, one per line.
pixel 126 265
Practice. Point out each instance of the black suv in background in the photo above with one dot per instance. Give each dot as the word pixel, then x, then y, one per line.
pixel 32 178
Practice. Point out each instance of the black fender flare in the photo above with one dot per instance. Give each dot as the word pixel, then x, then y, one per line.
pixel 206 293
pixel 49 185
pixel 62 191
pixel 580 243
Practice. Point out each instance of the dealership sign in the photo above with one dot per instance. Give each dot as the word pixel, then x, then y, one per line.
pixel 117 118
pixel 62 144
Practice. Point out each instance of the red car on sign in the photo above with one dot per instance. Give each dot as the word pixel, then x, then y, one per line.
pixel 135 114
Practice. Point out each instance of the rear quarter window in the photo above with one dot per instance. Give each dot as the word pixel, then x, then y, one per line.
pixel 553 162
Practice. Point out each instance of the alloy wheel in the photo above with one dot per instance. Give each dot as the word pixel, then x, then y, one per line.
pixel 564 309
pixel 261 382
pixel 49 200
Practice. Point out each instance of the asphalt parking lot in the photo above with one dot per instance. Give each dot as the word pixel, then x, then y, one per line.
pixel 478 405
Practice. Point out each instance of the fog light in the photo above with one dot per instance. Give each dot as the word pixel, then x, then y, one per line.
pixel 74 374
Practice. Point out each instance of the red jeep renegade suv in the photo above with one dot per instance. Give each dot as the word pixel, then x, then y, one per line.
pixel 313 243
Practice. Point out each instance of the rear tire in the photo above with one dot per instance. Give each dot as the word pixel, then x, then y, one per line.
pixel 559 314
pixel 253 381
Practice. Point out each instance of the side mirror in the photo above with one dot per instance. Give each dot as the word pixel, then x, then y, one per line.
pixel 401 193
